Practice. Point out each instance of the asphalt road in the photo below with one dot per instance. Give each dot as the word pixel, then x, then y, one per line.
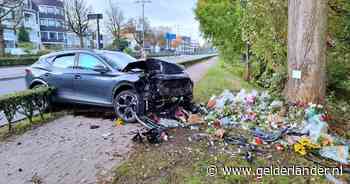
pixel 10 86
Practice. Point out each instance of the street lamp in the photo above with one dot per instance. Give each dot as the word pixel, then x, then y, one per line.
pixel 97 17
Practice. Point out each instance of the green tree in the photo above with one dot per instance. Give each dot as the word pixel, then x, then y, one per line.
pixel 120 44
pixel 220 23
pixel 229 24
pixel 23 35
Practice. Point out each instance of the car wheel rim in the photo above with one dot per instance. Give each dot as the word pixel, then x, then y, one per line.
pixel 126 106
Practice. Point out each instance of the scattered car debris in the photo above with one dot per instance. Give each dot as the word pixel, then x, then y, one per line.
pixel 169 123
pixel 119 122
pixel 94 127
pixel 36 179
pixel 153 136
pixel 107 135
pixel 271 124
pixel 198 137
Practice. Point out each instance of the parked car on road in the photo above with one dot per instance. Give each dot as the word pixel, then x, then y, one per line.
pixel 112 79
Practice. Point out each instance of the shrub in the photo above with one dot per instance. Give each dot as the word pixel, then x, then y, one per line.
pixel 14 61
pixel 128 51
pixel 23 35
pixel 28 47
pixel 26 102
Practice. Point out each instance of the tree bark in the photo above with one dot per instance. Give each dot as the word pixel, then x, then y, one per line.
pixel 81 38
pixel 2 41
pixel 247 65
pixel 307 29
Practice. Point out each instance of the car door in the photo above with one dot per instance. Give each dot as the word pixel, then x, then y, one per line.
pixel 91 86
pixel 61 75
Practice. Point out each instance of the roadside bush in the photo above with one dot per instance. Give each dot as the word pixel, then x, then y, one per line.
pixel 28 47
pixel 128 51
pixel 15 61
pixel 27 103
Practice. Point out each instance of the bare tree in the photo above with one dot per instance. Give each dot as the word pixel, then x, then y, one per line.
pixel 132 27
pixel 156 37
pixel 11 13
pixel 307 31
pixel 115 22
pixel 76 12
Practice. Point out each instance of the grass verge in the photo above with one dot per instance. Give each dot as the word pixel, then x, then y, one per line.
pixel 218 78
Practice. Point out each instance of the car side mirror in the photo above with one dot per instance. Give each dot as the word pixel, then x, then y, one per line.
pixel 101 69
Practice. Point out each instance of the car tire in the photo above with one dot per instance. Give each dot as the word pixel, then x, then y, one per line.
pixel 127 104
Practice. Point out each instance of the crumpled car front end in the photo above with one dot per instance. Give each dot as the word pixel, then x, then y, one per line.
pixel 163 86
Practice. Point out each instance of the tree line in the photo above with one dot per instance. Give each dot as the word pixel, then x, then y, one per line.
pixel 298 48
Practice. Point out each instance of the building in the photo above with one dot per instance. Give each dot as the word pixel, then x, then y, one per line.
pixel 184 45
pixel 30 21
pixel 44 22
pixel 51 18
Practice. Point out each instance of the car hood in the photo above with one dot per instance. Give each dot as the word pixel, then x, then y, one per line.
pixel 155 66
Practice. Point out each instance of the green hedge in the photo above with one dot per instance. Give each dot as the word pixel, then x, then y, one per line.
pixel 15 61
pixel 26 102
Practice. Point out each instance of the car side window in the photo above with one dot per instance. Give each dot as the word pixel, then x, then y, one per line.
pixel 65 61
pixel 88 62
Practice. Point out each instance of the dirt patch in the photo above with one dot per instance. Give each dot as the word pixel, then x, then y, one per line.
pixel 65 151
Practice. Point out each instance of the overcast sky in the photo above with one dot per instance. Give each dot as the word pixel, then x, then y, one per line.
pixel 177 14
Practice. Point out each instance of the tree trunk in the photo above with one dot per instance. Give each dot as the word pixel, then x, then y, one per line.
pixel 307 29
pixel 81 41
pixel 247 65
pixel 2 41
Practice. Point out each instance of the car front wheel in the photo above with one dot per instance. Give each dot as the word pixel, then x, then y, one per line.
pixel 127 104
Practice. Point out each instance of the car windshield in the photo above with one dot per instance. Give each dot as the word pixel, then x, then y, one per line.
pixel 117 60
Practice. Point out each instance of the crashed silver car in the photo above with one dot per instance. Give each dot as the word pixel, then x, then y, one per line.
pixel 112 79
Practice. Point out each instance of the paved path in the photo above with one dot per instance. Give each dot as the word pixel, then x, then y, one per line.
pixel 67 151
pixel 198 71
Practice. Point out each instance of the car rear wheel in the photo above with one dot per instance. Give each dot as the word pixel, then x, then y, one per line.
pixel 127 104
